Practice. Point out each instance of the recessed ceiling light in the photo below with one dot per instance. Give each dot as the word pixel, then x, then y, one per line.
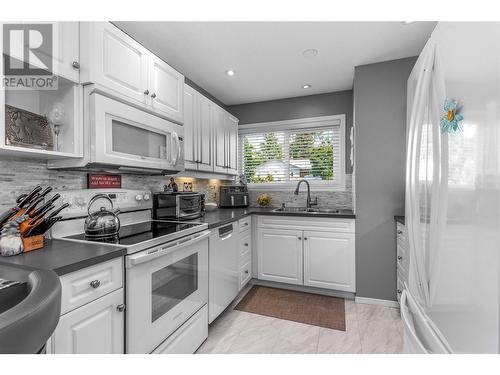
pixel 406 22
pixel 306 86
pixel 310 53
pixel 230 72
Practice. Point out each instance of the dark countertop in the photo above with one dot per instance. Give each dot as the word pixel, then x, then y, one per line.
pixel 223 216
pixel 64 256
pixel 400 219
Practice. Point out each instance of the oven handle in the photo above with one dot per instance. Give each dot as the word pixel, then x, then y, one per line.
pixel 148 255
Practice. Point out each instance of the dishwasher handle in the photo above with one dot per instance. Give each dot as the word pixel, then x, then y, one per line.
pixel 226 232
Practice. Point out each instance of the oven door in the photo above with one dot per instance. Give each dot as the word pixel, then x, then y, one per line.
pixel 165 286
pixel 128 137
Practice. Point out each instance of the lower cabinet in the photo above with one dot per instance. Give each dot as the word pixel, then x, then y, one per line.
pixel 317 252
pixel 329 260
pixel 279 254
pixel 95 328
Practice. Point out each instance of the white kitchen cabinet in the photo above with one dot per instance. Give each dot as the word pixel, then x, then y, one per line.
pixel 316 252
pixel 190 128
pixel 232 146
pixel 114 61
pixel 95 328
pixel 166 86
pixel 198 112
pixel 67 52
pixel 219 139
pixel 329 260
pixel 205 126
pixel 245 246
pixel 280 255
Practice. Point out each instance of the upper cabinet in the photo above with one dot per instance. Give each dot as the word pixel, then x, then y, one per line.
pixel 41 117
pixel 210 135
pixel 115 61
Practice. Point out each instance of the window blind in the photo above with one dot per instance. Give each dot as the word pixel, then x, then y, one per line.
pixel 284 156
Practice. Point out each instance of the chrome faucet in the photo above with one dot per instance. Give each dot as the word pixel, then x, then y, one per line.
pixel 309 203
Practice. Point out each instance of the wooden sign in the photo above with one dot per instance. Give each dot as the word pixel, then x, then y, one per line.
pixel 104 181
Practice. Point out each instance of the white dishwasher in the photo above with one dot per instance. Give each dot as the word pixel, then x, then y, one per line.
pixel 223 284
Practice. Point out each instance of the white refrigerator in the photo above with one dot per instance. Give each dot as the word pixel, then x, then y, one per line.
pixel 451 302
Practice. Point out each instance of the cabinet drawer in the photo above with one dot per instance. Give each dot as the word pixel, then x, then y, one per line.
pixel 400 232
pixel 245 223
pixel 402 259
pixel 88 284
pixel 306 223
pixel 245 244
pixel 188 337
pixel 245 273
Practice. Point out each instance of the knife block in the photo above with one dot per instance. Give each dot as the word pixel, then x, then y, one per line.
pixel 33 242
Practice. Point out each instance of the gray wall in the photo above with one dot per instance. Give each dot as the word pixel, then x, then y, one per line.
pixel 332 103
pixel 380 121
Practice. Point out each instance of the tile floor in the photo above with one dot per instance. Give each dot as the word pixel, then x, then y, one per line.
pixel 369 329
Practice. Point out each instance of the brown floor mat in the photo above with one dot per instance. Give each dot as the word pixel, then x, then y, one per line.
pixel 314 309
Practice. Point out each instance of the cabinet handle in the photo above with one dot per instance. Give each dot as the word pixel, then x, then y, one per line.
pixel 246 244
pixel 146 92
pixel 120 308
pixel 400 291
pixel 400 257
pixel 400 231
pixel 246 271
pixel 75 64
pixel 95 284
pixel 153 95
pixel 305 238
pixel 300 238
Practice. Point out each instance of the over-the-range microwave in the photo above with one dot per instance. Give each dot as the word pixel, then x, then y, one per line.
pixel 121 137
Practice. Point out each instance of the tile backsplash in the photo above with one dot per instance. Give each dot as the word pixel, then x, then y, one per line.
pixel 20 175
pixel 326 199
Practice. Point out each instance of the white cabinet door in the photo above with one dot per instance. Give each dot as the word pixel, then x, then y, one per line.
pixel 190 128
pixel 232 129
pixel 220 139
pixel 67 53
pixel 329 260
pixel 166 89
pixel 205 126
pixel 280 255
pixel 118 62
pixel 95 328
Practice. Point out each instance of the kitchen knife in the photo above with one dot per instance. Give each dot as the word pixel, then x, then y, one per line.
pixel 44 226
pixel 23 201
pixel 41 214
pixel 55 212
pixel 49 202
pixel 31 208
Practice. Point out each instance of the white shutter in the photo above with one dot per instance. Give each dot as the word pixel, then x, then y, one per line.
pixel 288 155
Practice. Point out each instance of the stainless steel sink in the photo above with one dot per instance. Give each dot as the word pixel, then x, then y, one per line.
pixel 307 210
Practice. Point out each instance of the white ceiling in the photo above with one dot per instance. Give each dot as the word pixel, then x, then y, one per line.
pixel 267 56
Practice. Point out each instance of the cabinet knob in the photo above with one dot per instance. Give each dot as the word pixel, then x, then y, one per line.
pixel 153 95
pixel 95 284
pixel 305 238
pixel 246 244
pixel 300 238
pixel 75 64
pixel 146 92
pixel 400 257
pixel 400 291
pixel 400 231
pixel 246 271
pixel 120 308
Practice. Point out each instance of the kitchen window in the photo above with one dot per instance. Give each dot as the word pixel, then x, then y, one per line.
pixel 277 155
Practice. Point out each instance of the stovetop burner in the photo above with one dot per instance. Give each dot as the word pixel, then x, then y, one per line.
pixel 133 234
